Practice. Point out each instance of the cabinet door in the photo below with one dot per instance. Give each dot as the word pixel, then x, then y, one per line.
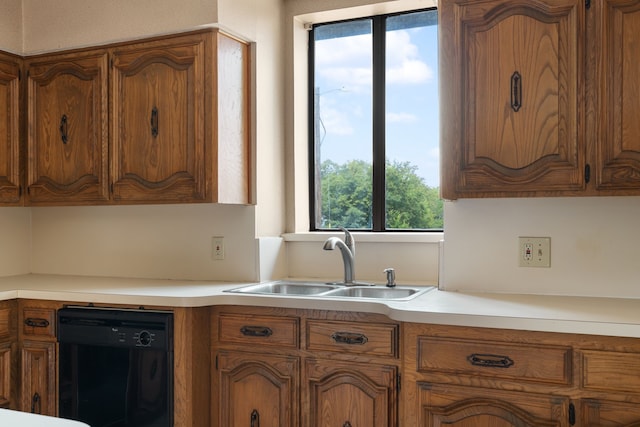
pixel 511 75
pixel 158 121
pixel 256 390
pixel 342 394
pixel 68 135
pixel 6 383
pixel 9 130
pixel 442 405
pixel 38 374
pixel 618 31
pixel 602 413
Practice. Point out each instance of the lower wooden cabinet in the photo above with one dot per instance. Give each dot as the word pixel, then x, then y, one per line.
pixel 350 394
pixel 8 354
pixel 38 378
pixel 257 390
pixel 466 406
pixel 606 413
pixel 310 368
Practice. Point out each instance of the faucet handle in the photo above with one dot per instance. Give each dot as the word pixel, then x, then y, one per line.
pixel 391 277
pixel 348 240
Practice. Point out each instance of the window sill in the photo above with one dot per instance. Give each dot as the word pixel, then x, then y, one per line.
pixel 321 236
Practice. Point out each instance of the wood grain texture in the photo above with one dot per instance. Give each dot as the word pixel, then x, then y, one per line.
pixel 10 130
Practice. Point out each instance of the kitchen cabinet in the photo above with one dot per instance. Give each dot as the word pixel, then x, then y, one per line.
pixel 8 354
pixel 163 120
pixel 10 130
pixel 541 98
pixel 38 357
pixel 605 413
pixel 303 367
pixel 615 77
pixel 511 77
pixel 173 100
pixel 67 137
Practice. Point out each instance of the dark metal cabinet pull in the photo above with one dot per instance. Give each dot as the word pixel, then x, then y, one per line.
pixel 64 134
pixel 255 418
pixel 490 360
pixel 154 121
pixel 346 424
pixel 256 331
pixel 349 338
pixel 35 401
pixel 516 91
pixel 36 323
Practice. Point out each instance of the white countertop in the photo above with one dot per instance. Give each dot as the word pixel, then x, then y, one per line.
pixel 598 316
pixel 23 419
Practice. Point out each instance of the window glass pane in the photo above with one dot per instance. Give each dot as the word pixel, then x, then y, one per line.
pixel 343 124
pixel 412 127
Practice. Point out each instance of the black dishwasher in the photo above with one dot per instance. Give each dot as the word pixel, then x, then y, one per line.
pixel 116 366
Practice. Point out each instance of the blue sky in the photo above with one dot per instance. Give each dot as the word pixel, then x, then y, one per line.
pixel 343 79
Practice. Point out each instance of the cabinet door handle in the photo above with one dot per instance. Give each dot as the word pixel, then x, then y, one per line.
pixel 346 424
pixel 516 91
pixel 154 122
pixel 349 338
pixel 256 331
pixel 35 401
pixel 490 360
pixel 255 418
pixel 34 322
pixel 64 135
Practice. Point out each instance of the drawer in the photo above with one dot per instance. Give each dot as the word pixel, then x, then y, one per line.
pixel 353 337
pixel 611 371
pixel 521 362
pixel 259 330
pixel 39 322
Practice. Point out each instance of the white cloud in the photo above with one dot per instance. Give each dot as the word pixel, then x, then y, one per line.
pixel 403 63
pixel 401 118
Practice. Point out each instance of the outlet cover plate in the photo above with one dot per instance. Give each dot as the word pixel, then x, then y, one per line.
pixel 534 251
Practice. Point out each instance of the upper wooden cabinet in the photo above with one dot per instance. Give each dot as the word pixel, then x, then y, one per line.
pixel 67 134
pixel 540 98
pixel 164 120
pixel 510 89
pixel 10 177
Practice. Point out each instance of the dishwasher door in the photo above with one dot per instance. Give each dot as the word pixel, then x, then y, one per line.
pixel 116 367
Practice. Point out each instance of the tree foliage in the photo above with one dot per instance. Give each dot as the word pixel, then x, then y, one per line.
pixel 347 197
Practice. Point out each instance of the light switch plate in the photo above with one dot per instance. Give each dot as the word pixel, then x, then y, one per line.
pixel 534 251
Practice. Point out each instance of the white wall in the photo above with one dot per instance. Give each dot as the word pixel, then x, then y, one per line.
pixel 15 241
pixel 11 26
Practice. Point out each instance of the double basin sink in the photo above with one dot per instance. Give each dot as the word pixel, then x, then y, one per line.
pixel 313 289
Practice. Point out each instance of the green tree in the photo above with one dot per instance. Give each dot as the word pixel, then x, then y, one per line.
pixel 347 197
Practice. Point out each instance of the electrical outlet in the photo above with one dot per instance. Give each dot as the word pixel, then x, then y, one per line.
pixel 534 251
pixel 218 247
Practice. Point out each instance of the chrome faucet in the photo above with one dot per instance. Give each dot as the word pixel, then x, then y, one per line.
pixel 348 250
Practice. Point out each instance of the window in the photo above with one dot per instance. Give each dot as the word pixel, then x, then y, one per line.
pixel 374 132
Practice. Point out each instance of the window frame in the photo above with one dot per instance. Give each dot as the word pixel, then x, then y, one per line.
pixel 378 35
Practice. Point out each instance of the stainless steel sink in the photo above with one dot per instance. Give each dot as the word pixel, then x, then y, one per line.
pixel 369 292
pixel 311 289
pixel 285 288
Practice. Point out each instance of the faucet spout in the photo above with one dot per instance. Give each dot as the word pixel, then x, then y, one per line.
pixel 347 249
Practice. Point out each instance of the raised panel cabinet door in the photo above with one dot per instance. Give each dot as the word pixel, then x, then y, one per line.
pixel 618 78
pixel 10 191
pixel 38 378
pixel 256 390
pixel 6 369
pixel 511 78
pixel 443 405
pixel 342 394
pixel 602 413
pixel 159 127
pixel 67 129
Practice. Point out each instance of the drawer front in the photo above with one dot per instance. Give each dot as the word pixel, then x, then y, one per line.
pixel 353 337
pixel 520 362
pixel 611 371
pixel 39 322
pixel 259 330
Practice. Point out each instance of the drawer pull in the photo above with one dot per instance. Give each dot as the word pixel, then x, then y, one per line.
pixel 34 322
pixel 349 338
pixel 490 360
pixel 256 331
pixel 36 405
